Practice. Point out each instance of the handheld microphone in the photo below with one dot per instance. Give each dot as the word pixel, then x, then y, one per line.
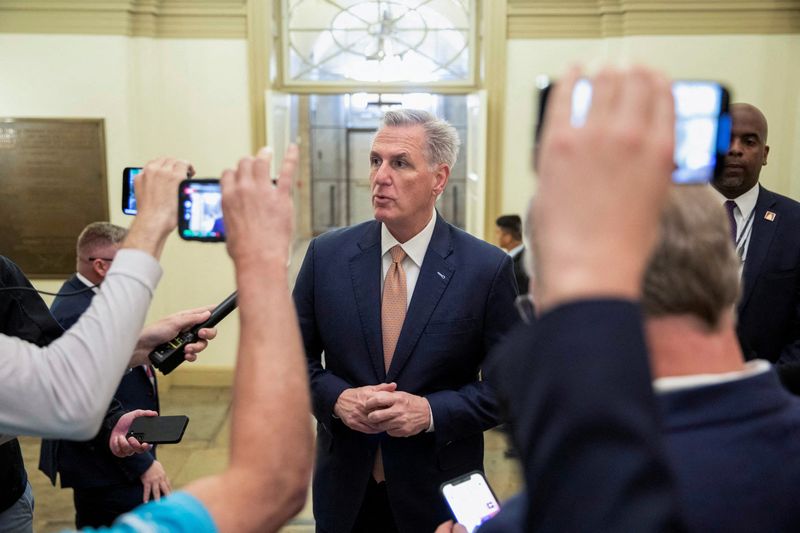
pixel 166 357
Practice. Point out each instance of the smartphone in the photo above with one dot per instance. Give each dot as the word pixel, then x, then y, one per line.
pixel 200 210
pixel 159 429
pixel 128 195
pixel 471 500
pixel 702 125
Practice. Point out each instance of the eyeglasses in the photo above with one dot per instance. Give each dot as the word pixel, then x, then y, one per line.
pixel 525 308
pixel 107 259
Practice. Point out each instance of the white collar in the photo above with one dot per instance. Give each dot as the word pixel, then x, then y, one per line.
pixel 415 247
pixel 745 202
pixel 694 381
pixel 516 250
pixel 86 282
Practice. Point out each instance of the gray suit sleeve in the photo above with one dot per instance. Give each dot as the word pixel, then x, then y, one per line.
pixel 63 390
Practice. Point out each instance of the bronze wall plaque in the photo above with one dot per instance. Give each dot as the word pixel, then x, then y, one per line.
pixel 52 183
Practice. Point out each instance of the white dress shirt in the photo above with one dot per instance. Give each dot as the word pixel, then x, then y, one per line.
pixel 415 248
pixel 515 251
pixel 743 215
pixel 86 282
pixel 694 381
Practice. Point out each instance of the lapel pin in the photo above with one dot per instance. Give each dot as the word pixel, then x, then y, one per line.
pixel 769 215
pixel 441 275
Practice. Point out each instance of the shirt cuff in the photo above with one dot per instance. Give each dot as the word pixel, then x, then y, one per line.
pixel 431 427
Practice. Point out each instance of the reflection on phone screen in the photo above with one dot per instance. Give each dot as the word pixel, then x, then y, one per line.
pixel 471 501
pixel 129 201
pixel 202 211
pixel 697 122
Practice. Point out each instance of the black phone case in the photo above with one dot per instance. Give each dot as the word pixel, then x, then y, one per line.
pixel 159 429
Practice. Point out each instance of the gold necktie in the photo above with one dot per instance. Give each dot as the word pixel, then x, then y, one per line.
pixel 393 305
pixel 393 313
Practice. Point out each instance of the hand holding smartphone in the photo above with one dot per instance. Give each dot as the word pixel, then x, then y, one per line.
pixel 158 429
pixel 702 125
pixel 199 208
pixel 471 500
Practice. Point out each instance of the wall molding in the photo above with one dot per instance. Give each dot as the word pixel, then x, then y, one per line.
pixel 197 376
pixel 197 19
pixel 544 19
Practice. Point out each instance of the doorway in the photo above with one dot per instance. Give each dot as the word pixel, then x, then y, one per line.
pixel 341 128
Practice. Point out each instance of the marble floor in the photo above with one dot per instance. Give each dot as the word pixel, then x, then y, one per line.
pixel 204 450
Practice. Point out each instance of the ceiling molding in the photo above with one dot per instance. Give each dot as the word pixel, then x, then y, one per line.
pixel 134 18
pixel 546 19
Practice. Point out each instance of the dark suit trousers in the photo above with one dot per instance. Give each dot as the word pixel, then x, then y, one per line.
pixel 100 506
pixel 375 515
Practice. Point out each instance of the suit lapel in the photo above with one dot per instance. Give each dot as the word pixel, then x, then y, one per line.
pixel 760 240
pixel 434 276
pixel 365 276
pixel 77 285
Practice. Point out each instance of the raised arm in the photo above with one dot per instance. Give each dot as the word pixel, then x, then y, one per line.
pixel 63 390
pixel 271 440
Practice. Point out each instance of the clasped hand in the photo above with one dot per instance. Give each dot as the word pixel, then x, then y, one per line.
pixel 378 408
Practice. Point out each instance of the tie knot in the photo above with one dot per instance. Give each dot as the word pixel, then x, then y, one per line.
pixel 398 254
pixel 730 205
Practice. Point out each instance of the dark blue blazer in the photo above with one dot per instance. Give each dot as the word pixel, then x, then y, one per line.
pixel 734 448
pixel 576 386
pixel 769 308
pixel 91 464
pixel 461 307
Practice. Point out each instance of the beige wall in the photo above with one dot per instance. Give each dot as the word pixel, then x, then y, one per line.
pixel 187 98
pixel 759 69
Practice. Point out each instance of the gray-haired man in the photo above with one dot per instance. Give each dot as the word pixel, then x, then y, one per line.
pixel 405 308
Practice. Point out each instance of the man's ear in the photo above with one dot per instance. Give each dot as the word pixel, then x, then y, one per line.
pixel 766 153
pixel 101 267
pixel 442 175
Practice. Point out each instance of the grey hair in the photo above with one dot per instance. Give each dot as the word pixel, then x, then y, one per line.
pixel 441 143
pixel 694 268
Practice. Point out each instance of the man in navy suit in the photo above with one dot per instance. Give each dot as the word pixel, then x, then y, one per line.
pixel 730 426
pixel 405 308
pixel 508 231
pixel 766 230
pixel 104 486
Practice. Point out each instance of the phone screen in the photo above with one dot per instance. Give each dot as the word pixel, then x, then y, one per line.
pixel 128 194
pixel 200 210
pixel 471 500
pixel 702 126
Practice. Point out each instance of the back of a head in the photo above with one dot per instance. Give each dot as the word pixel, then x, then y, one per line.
pixel 694 269
pixel 99 235
pixel 442 141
